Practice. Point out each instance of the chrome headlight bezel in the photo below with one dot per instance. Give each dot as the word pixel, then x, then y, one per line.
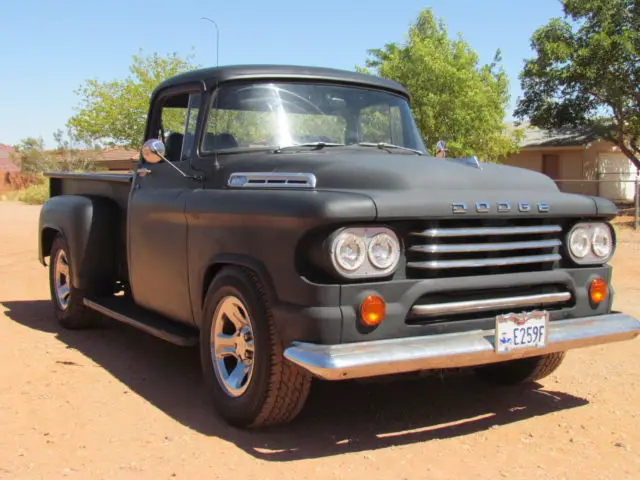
pixel 367 267
pixel 591 256
pixel 339 261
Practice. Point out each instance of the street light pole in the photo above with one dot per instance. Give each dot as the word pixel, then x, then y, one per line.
pixel 217 39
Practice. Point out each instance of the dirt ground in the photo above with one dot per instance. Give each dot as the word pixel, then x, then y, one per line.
pixel 116 403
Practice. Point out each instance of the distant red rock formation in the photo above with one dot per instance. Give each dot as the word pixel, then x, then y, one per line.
pixel 6 165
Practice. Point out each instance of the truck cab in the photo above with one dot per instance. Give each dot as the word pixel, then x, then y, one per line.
pixel 290 223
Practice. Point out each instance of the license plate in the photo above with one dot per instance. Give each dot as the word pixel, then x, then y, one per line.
pixel 521 330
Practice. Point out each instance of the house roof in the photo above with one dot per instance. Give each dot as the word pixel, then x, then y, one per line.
pixel 6 165
pixel 535 137
pixel 115 154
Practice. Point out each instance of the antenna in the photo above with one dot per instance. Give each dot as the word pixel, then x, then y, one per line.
pixel 217 38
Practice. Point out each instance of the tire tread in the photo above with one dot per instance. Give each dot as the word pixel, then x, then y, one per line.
pixel 546 366
pixel 525 370
pixel 77 316
pixel 289 385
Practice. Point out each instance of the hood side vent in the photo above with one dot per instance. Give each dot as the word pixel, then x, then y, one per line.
pixel 272 180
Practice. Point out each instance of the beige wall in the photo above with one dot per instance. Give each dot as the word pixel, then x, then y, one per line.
pixel 572 166
pixel 525 159
pixel 575 163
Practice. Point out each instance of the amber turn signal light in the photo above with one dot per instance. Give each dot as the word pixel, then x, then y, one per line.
pixel 598 290
pixel 372 310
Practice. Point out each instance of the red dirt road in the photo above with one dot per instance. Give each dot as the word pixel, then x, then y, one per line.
pixel 115 403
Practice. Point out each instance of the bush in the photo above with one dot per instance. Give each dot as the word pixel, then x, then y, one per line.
pixel 34 195
pixel 29 185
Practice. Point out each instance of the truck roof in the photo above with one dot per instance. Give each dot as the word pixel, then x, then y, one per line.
pixel 215 75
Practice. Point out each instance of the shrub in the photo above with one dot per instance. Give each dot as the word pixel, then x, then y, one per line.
pixel 34 192
pixel 34 195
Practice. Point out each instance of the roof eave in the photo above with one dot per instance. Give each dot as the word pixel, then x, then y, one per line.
pixel 554 147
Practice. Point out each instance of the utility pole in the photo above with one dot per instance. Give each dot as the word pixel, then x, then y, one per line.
pixel 217 39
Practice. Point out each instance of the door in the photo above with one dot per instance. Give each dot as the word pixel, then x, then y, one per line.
pixel 156 224
pixel 551 168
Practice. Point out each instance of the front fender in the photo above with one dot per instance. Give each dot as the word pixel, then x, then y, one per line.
pixel 90 227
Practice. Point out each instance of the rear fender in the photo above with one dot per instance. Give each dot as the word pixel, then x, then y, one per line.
pixel 91 227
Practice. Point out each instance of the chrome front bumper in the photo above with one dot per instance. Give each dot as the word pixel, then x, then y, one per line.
pixel 452 350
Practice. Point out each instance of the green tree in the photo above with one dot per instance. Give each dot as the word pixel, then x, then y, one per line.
pixel 32 157
pixel 454 98
pixel 115 112
pixel 586 72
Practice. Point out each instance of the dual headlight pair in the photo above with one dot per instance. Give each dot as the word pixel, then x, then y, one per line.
pixel 591 243
pixel 365 252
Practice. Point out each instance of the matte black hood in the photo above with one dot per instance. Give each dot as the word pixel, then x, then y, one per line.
pixel 412 186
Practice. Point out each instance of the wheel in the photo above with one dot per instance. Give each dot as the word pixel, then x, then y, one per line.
pixel 67 300
pixel 249 380
pixel 523 370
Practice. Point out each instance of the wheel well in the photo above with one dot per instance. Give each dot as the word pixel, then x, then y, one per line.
pixel 209 275
pixel 48 236
pixel 215 268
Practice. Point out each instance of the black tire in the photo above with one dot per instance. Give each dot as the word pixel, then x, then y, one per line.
pixel 276 390
pixel 73 314
pixel 523 370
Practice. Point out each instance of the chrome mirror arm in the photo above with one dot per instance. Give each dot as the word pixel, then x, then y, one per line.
pixel 153 152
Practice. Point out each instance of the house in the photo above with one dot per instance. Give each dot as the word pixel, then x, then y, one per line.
pixel 578 160
pixel 117 158
pixel 6 165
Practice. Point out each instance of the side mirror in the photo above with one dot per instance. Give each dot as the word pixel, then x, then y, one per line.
pixel 153 151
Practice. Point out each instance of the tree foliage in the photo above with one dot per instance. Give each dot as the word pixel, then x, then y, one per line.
pixel 454 98
pixel 32 157
pixel 115 112
pixel 586 72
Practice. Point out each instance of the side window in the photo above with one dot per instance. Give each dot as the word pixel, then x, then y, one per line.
pixel 177 127
pixel 191 119
pixel 381 124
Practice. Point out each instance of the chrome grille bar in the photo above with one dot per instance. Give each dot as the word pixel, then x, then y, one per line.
pixel 484 262
pixel 485 247
pixel 471 306
pixel 483 231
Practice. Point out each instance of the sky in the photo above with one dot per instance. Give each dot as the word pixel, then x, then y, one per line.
pixel 48 49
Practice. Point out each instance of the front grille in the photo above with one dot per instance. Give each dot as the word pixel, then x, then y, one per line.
pixel 461 249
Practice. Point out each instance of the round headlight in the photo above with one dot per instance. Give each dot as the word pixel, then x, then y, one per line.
pixel 602 242
pixel 349 252
pixel 579 242
pixel 384 251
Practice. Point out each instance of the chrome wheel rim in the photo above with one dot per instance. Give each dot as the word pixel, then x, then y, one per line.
pixel 231 343
pixel 62 280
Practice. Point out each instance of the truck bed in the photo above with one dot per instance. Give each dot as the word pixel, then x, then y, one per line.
pixel 114 186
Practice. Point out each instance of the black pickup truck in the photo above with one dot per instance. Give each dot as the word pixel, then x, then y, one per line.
pixel 290 222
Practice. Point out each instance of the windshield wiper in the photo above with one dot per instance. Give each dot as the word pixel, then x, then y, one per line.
pixel 316 145
pixel 389 146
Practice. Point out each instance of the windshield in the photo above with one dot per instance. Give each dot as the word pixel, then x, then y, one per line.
pixel 274 115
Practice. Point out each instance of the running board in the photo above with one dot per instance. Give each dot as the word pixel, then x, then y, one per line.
pixel 125 311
